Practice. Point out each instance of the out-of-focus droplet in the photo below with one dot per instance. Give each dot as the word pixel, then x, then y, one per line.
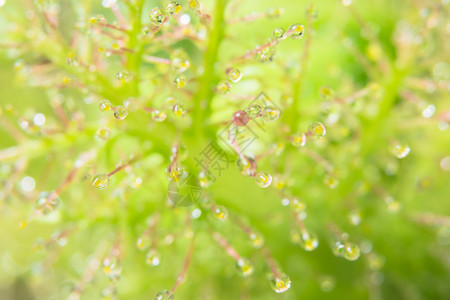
pixel 257 240
pixel 103 133
pixel 331 181
pixel 240 118
pixel 244 266
pixel 27 184
pixel 326 93
pixel 205 179
pixel 317 130
pixel 354 217
pixel 179 82
pixel 98 19
pixel 143 242
pixel 309 241
pixel 327 284
pixel 123 77
pixel 223 87
pixel 153 258
pixel 194 4
pixel 179 110
pixel 47 202
pixel 280 284
pixel 220 212
pixel 298 140
pixel 400 151
pixel 164 295
pixel 112 268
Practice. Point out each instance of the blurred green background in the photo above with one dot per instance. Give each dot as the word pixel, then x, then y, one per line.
pixel 398 49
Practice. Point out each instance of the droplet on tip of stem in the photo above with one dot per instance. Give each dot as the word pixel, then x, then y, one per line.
pixel 281 283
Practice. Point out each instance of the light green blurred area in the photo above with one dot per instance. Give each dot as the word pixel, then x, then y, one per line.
pixel 416 256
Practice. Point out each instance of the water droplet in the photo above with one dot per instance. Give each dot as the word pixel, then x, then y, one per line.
pixel 263 179
pixel 400 151
pixel 266 55
pixel 327 284
pixel 279 33
pixel 112 268
pixel 317 130
pixel 296 31
pixel 309 241
pixel 247 166
pixel 205 179
pixel 103 133
pixel 180 61
pixel 234 75
pixel 445 163
pixel 39 119
pixel 115 46
pixel 351 251
pixel 164 295
pixel 143 242
pixel 270 113
pixel 298 140
pixel 338 248
pixel 326 93
pixel 280 284
pixel 105 105
pixel 172 8
pixel 223 87
pixel 279 182
pixel 253 111
pixel 274 12
pixel 354 217
pixel 100 181
pixel 47 202
pixel 157 16
pixel 244 266
pixel 196 213
pixel 123 77
pixel 375 261
pixel 176 172
pixel 158 115
pixel 298 205
pixel 179 110
pixel 194 4
pixel 330 181
pixel 98 19
pixel 240 118
pixel 257 240
pixel 220 212
pixel 153 258
pixel 120 113
pixel 27 184
pixel 179 82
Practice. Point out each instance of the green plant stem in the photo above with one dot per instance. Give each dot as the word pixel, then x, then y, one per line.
pixel 202 105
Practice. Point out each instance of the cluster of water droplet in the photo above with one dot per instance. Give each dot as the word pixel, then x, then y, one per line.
pixel 120 112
